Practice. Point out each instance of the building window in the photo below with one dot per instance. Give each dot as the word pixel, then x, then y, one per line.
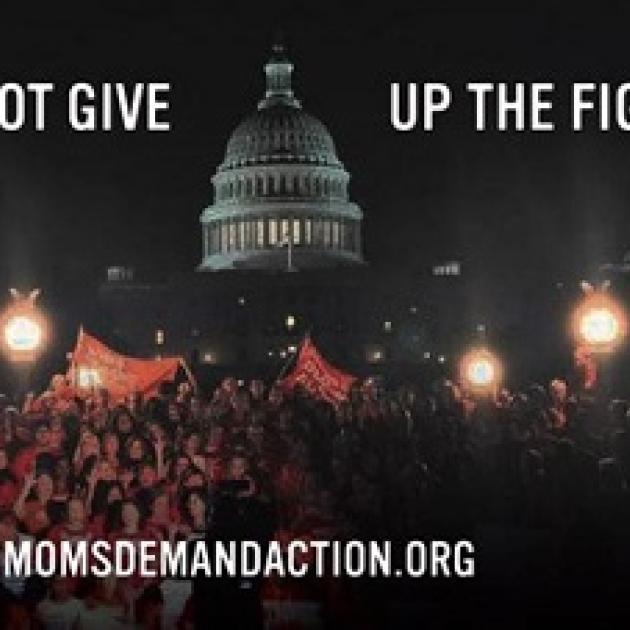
pixel 375 354
pixel 245 234
pixel 308 226
pixel 450 268
pixel 318 233
pixel 296 231
pixel 335 234
pixel 206 239
pixel 326 229
pixel 224 236
pixel 260 233
pixel 273 231
pixel 215 238
pixel 232 236
pixel 88 377
pixel 251 234
pixel 241 235
pixel 208 357
pixel 284 229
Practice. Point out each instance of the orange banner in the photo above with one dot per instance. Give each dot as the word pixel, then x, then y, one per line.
pixel 318 377
pixel 94 365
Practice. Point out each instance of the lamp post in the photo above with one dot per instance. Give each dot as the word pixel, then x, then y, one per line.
pixel 599 325
pixel 287 241
pixel 24 333
pixel 599 322
pixel 480 371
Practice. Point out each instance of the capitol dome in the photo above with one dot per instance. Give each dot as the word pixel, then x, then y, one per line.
pixel 281 193
pixel 280 134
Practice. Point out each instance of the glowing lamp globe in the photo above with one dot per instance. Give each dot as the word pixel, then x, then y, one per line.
pixel 23 328
pixel 480 370
pixel 599 323
pixel 23 334
pixel 599 326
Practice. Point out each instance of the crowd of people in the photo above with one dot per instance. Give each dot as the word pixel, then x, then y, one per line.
pixel 537 479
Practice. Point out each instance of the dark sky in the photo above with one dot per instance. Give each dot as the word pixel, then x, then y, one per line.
pixel 520 208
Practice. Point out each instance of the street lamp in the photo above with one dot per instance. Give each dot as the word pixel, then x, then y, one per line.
pixel 24 332
pixel 22 335
pixel 24 328
pixel 599 326
pixel 599 322
pixel 480 370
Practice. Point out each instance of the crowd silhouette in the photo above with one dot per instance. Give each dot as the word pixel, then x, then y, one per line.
pixel 537 479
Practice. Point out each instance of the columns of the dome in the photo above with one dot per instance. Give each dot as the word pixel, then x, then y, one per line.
pixel 290 182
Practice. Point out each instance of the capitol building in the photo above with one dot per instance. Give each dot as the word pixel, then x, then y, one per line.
pixel 281 202
pixel 280 187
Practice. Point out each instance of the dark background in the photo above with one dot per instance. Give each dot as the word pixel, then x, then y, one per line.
pixel 522 210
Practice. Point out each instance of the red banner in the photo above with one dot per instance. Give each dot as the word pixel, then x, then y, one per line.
pixel 317 377
pixel 94 365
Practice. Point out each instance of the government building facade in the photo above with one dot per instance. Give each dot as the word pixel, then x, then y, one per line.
pixel 280 185
pixel 282 257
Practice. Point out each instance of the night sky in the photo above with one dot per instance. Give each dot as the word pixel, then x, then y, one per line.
pixel 520 209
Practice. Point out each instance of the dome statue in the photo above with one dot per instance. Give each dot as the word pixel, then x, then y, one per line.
pixel 281 193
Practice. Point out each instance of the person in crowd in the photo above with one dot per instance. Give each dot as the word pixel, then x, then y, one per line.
pixel 252 461
pixel 160 518
pixel 12 585
pixel 74 526
pixel 131 525
pixel 8 482
pixel 149 609
pixel 102 495
pixel 32 504
pixel 110 448
pixel 194 513
pixel 103 605
pixel 59 610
